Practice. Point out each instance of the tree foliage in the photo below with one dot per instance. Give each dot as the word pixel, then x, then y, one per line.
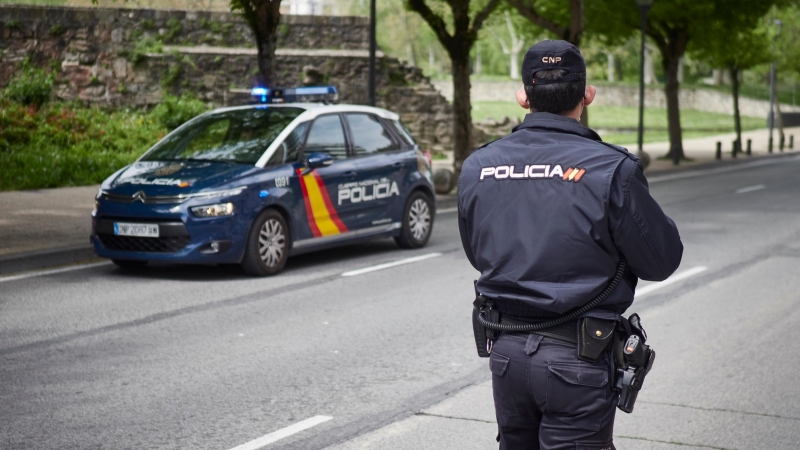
pixel 672 25
pixel 457 35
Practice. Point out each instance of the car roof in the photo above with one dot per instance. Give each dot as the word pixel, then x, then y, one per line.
pixel 313 110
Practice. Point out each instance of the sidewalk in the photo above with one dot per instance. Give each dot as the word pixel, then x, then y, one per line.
pixel 50 227
pixel 703 150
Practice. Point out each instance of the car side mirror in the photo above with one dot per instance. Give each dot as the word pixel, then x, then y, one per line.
pixel 318 159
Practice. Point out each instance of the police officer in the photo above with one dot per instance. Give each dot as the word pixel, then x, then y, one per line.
pixel 546 214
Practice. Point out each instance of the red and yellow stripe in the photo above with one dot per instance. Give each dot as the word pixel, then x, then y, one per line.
pixel 573 174
pixel 322 216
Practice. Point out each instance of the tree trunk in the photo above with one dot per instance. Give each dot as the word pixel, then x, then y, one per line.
pixel 737 121
pixel 265 28
pixel 671 88
pixel 462 114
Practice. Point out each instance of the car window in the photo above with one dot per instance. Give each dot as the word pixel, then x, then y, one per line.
pixel 403 132
pixel 287 151
pixel 234 136
pixel 369 136
pixel 327 136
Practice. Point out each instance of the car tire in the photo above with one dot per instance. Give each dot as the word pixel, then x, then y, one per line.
pixel 267 246
pixel 129 264
pixel 417 222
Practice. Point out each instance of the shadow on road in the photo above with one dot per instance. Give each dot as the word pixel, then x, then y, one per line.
pixel 195 272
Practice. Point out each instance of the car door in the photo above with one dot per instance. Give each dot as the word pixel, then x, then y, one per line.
pixel 326 217
pixel 379 161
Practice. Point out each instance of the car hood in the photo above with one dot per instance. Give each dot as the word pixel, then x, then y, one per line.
pixel 175 178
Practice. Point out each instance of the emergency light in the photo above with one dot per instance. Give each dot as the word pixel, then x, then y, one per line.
pixel 311 94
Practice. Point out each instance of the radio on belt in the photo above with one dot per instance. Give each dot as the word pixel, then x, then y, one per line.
pixel 310 94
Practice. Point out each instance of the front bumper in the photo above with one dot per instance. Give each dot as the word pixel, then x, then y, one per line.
pixel 183 238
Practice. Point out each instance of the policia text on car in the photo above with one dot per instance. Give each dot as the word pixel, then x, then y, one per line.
pixel 560 226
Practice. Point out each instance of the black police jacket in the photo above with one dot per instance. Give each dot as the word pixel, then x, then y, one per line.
pixel 546 212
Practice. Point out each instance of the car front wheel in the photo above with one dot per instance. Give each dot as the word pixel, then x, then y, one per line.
pixel 267 245
pixel 417 221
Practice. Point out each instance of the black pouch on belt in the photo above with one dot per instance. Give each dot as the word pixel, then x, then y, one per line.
pixel 594 336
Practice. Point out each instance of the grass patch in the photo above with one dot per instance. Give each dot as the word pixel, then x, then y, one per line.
pixel 69 145
pixel 618 124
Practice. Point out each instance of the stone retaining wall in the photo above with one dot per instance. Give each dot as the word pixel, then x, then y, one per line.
pixel 97 62
pixel 700 99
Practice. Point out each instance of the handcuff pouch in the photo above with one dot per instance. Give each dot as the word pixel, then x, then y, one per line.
pixel 594 336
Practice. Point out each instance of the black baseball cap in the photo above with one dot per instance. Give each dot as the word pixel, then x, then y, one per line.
pixel 549 55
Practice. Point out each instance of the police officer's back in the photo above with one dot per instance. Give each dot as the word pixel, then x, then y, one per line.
pixel 546 215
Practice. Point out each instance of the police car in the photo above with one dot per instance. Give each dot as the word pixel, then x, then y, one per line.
pixel 256 184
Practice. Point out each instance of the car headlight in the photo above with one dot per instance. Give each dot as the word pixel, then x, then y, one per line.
pixel 218 210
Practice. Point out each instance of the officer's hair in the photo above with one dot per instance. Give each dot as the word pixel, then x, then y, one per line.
pixel 557 97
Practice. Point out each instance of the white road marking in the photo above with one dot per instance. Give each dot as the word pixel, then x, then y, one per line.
pixel 697 173
pixel 744 190
pixel 390 264
pixel 52 271
pixel 673 279
pixel 283 432
pixel 447 210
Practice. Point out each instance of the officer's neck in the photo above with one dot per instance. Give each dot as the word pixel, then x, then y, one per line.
pixel 572 114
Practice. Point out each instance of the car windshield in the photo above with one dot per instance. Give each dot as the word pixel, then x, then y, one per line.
pixel 238 136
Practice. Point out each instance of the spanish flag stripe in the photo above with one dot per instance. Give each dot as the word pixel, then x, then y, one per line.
pixel 579 175
pixel 328 204
pixel 309 214
pixel 566 174
pixel 572 174
pixel 321 215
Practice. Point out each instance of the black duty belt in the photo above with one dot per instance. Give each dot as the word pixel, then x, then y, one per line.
pixel 565 332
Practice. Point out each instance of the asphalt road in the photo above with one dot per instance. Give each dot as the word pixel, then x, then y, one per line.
pixel 181 357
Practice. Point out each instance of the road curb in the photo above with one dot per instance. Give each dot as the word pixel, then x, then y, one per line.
pixel 21 262
pixel 743 159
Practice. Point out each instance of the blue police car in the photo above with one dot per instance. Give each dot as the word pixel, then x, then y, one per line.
pixel 258 183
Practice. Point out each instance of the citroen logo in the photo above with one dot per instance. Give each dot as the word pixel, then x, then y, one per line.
pixel 139 196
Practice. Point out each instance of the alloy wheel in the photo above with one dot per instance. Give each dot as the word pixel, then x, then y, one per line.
pixel 419 219
pixel 271 243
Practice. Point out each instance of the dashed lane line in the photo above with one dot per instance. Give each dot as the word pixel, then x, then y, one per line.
pixel 388 265
pixel 673 279
pixel 747 189
pixel 447 210
pixel 53 271
pixel 283 433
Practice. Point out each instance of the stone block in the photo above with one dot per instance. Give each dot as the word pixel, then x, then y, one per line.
pixel 120 67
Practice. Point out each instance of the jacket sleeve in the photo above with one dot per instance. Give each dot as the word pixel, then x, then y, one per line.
pixel 647 238
pixel 462 229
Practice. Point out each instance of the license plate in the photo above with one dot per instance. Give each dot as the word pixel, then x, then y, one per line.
pixel 136 229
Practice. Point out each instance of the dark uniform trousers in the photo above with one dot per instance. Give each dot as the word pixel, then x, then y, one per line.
pixel 546 398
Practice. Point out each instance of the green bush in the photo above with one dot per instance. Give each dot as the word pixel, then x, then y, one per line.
pixel 65 144
pixel 175 111
pixel 30 86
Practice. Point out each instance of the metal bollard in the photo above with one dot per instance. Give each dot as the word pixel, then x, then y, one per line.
pixel 791 142
pixel 749 147
pixel 719 151
pixel 769 145
pixel 733 149
pixel 781 142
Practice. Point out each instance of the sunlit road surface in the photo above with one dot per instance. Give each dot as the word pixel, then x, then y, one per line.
pixel 187 357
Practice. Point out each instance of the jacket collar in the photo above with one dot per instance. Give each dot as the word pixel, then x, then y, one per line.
pixel 559 124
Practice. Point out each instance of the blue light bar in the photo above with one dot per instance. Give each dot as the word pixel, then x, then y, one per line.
pixel 311 94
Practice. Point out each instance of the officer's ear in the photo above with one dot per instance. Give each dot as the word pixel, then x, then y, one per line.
pixel 588 97
pixel 522 98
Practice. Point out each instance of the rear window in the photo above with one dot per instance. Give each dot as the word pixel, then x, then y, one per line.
pixel 239 136
pixel 405 135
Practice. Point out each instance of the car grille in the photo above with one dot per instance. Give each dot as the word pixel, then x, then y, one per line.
pixel 169 244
